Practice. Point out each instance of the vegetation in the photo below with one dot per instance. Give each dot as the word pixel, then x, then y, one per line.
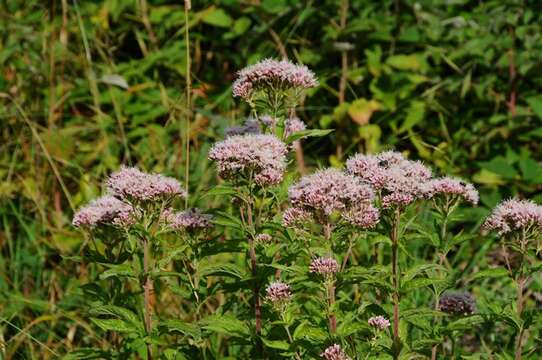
pixel 88 86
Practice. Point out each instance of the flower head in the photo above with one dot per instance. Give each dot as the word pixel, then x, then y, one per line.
pixel 263 155
pixel 399 180
pixel 457 303
pixel 280 75
pixel 334 352
pixel 278 292
pixel 365 216
pixel 324 266
pixel 293 125
pixel 104 210
pixel 450 186
pixel 329 190
pixel 187 220
pixel 294 217
pixel 514 214
pixel 264 238
pixel 132 184
pixel 379 322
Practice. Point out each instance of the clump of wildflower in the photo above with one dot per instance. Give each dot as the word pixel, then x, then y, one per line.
pixel 134 185
pixel 293 125
pixel 379 322
pixel 365 216
pixel 511 215
pixel 457 304
pixel 250 126
pixel 264 238
pixel 278 292
pixel 295 217
pixel 279 75
pixel 187 220
pixel 262 156
pixel 104 210
pixel 334 352
pixel 329 190
pixel 324 266
pixel 450 186
pixel 399 180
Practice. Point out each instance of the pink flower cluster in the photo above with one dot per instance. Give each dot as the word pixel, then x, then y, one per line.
pixel 365 216
pixel 450 186
pixel 399 180
pixel 187 220
pixel 293 125
pixel 264 238
pixel 324 266
pixel 104 210
pixel 132 184
pixel 514 214
pixel 294 217
pixel 280 75
pixel 379 322
pixel 329 190
pixel 334 352
pixel 263 155
pixel 278 292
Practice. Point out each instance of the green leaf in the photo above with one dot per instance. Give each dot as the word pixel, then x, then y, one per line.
pixel 209 269
pixel 415 114
pixel 175 325
pixel 308 133
pixel 531 170
pixel 490 273
pixel 217 17
pixel 228 325
pixel 466 323
pixel 276 344
pixel 121 270
pixel 404 62
pixel 500 166
pixel 114 325
pixel 535 103
pixel 308 332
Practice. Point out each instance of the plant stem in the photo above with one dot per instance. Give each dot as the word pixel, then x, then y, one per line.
pixel 519 340
pixel 148 289
pixel 331 285
pixel 256 286
pixel 187 6
pixel 395 279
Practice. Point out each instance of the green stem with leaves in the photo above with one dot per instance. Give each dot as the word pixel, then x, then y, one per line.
pixel 395 280
pixel 148 288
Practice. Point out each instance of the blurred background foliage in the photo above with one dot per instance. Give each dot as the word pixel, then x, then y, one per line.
pixel 88 85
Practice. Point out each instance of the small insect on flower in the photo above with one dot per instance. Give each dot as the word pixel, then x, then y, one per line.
pixel 280 75
pixel 379 322
pixel 278 292
pixel 334 352
pixel 324 266
pixel 512 215
pixel 457 303
pixel 129 183
pixel 240 157
pixel 450 186
pixel 187 220
pixel 104 210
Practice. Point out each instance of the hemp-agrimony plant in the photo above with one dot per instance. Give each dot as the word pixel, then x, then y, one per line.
pixel 518 224
pixel 126 227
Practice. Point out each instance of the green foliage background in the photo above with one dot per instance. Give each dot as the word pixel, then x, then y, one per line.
pixel 88 85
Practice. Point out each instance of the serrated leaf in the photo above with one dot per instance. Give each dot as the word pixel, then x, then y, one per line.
pixel 308 133
pixel 114 325
pixel 276 344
